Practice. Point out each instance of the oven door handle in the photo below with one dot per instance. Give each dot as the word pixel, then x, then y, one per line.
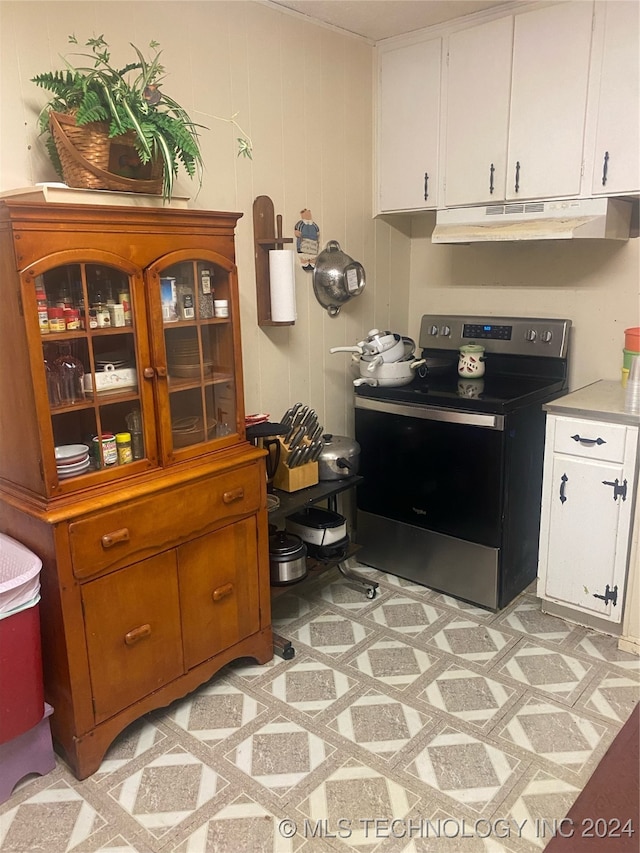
pixel 432 413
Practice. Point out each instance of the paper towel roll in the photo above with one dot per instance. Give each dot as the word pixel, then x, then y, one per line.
pixel 282 284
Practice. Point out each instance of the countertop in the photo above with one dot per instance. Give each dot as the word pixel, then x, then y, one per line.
pixel 600 401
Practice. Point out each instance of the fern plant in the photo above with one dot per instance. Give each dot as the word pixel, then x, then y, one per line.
pixel 128 99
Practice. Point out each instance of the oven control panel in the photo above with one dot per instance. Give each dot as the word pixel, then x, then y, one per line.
pixel 537 336
pixel 487 331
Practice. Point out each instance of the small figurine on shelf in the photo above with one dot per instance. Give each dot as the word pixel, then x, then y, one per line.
pixel 307 239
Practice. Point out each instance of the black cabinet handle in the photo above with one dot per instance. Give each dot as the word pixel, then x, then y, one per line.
pixel 564 480
pixel 426 186
pixel 589 442
pixel 492 169
pixel 605 168
pixel 517 175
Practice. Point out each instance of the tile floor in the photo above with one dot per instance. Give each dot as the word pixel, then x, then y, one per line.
pixel 409 723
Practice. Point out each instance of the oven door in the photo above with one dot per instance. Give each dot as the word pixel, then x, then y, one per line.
pixel 436 469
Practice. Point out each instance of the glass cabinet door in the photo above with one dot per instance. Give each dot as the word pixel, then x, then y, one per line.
pixel 194 352
pixel 93 353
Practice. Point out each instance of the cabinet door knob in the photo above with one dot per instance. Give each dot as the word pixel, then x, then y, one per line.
pixel 148 373
pixel 161 371
pixel 132 637
pixel 517 187
pixel 233 496
pixel 222 591
pixel 426 186
pixel 492 169
pixel 111 539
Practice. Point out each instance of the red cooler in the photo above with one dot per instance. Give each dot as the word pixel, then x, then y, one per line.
pixel 21 687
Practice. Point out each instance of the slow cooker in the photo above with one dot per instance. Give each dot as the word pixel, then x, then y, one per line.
pixel 287 557
pixel 323 531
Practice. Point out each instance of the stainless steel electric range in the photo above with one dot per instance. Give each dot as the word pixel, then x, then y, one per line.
pixel 453 467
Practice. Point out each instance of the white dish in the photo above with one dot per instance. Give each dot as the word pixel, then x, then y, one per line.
pixel 65 474
pixel 67 454
pixel 76 466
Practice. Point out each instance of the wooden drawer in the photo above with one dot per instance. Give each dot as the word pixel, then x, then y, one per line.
pixel 590 439
pixel 132 532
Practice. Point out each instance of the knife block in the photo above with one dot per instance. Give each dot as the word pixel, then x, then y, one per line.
pixel 293 479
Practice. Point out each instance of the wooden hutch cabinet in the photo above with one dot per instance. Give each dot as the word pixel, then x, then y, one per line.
pixel 155 558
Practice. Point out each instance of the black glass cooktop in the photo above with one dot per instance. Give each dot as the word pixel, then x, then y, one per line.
pixel 492 393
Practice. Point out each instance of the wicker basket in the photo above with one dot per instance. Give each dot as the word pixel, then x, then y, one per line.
pixel 89 157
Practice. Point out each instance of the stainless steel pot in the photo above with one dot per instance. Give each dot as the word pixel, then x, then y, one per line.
pixel 339 457
pixel 287 557
pixel 392 375
pixel 336 278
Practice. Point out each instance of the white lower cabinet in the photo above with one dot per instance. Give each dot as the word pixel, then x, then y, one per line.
pixel 587 497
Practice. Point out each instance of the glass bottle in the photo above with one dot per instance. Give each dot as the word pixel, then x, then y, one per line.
pixel 53 389
pixel 70 373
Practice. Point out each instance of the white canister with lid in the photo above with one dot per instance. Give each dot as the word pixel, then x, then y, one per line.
pixel 471 361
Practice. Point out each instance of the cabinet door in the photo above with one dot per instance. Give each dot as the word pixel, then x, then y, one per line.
pixel 195 340
pixel 478 88
pixel 548 101
pixel 219 590
pixel 408 126
pixel 132 623
pixel 585 552
pixel 616 159
pixel 86 322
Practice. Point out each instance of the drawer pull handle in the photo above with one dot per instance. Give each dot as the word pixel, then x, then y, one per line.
pixel 111 539
pixel 132 637
pixel 589 442
pixel 222 591
pixel 233 495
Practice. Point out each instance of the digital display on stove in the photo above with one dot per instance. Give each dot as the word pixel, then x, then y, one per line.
pixel 483 330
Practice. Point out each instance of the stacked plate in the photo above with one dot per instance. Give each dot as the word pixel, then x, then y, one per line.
pixel 183 358
pixel 72 460
pixel 190 430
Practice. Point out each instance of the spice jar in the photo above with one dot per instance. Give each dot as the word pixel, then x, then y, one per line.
pixel 124 298
pixel 123 445
pixel 109 450
pixel 43 311
pixel 56 319
pixel 72 319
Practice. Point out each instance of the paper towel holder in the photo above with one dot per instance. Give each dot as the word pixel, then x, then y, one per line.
pixel 266 238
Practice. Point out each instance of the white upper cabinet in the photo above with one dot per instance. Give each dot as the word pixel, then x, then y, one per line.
pixel 516 104
pixel 408 126
pixel 616 99
pixel 551 52
pixel 477 117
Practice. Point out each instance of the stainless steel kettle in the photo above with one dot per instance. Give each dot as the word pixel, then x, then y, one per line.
pixel 339 458
pixel 336 278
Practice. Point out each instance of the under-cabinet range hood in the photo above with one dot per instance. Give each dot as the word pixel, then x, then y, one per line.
pixel 567 219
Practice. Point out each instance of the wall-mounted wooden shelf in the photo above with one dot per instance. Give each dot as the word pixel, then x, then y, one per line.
pixel 266 238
